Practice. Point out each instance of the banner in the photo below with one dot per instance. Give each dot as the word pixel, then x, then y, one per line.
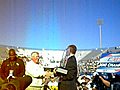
pixel 109 62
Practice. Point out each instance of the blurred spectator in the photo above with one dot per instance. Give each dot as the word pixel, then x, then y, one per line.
pixel 13 73
pixel 97 83
pixel 85 82
pixel 46 79
pixel 114 84
pixel 25 59
pixel 53 84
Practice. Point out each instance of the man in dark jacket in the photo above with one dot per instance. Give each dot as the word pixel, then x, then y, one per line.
pixel 13 73
pixel 68 81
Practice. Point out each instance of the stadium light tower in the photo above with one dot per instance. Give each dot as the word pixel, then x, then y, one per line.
pixel 100 22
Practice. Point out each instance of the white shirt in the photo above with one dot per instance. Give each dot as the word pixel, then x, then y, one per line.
pixel 53 83
pixel 33 69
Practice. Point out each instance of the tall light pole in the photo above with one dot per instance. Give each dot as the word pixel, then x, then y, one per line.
pixel 100 22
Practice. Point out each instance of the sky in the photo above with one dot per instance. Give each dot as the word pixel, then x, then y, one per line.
pixel 54 24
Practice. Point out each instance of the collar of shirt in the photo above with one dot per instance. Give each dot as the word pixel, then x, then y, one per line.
pixel 70 55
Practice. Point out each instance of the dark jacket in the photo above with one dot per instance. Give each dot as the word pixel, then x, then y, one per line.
pixel 17 65
pixel 68 82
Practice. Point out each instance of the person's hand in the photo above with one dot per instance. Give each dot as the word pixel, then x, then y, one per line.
pixel 40 77
pixel 101 77
pixel 10 77
pixel 13 77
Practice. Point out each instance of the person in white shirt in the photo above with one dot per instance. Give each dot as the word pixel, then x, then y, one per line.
pixel 33 68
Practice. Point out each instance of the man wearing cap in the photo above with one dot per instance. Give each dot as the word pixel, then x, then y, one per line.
pixel 13 73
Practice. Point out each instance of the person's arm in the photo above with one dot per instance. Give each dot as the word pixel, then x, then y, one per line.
pixel 3 73
pixel 21 68
pixel 107 83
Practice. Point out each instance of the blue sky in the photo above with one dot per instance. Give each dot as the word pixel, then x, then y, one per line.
pixel 54 24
